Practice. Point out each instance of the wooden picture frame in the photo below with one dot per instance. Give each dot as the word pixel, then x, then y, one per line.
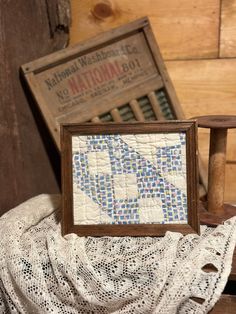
pixel 117 76
pixel 111 171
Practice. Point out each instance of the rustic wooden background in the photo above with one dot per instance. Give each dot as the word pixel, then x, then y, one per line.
pixel 29 161
pixel 197 39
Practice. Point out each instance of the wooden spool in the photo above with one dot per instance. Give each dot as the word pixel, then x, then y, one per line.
pixel 218 211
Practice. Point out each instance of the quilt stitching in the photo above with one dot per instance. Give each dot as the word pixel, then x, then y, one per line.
pixel 103 159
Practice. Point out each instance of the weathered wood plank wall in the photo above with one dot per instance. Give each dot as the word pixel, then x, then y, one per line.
pixel 29 162
pixel 209 87
pixel 228 29
pixel 195 37
pixel 180 32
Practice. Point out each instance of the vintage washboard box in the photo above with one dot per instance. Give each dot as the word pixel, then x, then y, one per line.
pixel 116 76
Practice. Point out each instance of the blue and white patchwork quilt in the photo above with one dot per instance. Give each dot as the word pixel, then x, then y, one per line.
pixel 129 179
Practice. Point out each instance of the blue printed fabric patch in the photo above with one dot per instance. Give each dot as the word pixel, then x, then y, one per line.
pixel 129 179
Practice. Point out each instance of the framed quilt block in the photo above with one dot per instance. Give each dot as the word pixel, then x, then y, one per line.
pixel 136 179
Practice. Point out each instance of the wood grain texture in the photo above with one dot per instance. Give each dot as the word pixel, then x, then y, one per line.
pixel 228 29
pixel 225 305
pixel 102 73
pixel 206 87
pixel 28 158
pixel 230 184
pixel 184 29
pixel 218 125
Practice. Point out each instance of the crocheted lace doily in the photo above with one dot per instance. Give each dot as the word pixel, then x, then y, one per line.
pixel 42 272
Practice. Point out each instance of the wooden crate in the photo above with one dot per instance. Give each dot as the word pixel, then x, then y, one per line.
pixel 116 76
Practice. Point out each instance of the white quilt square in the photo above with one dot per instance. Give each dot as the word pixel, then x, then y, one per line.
pixel 79 144
pixel 150 210
pixel 99 163
pixel 125 186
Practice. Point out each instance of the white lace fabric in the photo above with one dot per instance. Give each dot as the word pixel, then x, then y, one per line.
pixel 42 272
